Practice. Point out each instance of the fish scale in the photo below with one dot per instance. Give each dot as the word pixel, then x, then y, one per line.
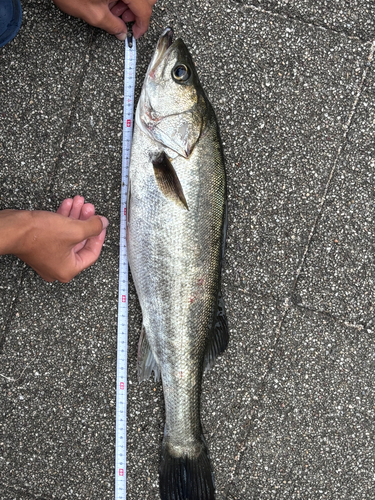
pixel 176 230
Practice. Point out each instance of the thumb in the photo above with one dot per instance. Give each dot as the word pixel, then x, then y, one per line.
pixel 92 226
pixel 109 22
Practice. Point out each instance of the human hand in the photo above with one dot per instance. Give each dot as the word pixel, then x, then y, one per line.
pixel 59 245
pixel 111 15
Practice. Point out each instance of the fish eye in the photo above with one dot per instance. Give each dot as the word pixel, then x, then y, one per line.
pixel 180 73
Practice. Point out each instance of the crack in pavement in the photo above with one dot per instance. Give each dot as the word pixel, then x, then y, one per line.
pixel 335 162
pixel 286 16
pixel 68 126
pixel 338 319
pixel 288 302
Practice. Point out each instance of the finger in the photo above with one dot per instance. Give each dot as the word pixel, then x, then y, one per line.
pixel 140 28
pixel 65 207
pixel 89 228
pixel 88 210
pixel 91 251
pixel 119 9
pixel 78 202
pixel 104 19
pixel 142 11
pixel 128 16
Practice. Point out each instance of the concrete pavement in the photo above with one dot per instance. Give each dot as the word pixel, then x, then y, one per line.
pixel 288 410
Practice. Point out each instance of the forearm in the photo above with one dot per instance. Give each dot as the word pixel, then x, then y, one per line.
pixel 13 226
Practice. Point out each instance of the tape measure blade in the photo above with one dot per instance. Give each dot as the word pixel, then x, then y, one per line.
pixel 122 323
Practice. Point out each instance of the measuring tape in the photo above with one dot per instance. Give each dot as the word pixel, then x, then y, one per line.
pixel 122 326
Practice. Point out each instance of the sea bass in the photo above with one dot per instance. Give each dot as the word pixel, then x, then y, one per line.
pixel 176 224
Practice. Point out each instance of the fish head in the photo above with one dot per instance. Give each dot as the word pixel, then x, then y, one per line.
pixel 172 106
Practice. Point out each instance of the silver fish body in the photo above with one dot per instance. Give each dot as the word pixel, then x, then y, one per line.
pixel 176 232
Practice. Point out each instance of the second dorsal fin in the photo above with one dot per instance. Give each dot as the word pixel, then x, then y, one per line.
pixel 220 336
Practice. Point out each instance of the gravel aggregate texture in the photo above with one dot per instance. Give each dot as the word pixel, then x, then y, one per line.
pixel 354 18
pixel 313 435
pixel 288 409
pixel 340 266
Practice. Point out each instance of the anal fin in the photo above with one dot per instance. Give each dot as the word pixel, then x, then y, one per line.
pixel 146 363
pixel 220 336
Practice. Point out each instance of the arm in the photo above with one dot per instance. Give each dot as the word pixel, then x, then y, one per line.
pixel 12 226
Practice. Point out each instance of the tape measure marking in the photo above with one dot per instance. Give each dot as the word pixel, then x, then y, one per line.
pixel 122 324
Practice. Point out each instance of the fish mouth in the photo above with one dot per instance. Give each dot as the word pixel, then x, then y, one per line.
pixel 164 43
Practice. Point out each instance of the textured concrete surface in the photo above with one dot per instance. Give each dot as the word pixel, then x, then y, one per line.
pixel 288 410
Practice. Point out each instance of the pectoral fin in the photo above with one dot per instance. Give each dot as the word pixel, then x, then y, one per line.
pixel 167 180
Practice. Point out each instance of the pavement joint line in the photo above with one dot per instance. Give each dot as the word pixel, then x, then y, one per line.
pixel 344 321
pixel 259 395
pixel 308 307
pixel 300 20
pixel 7 323
pixel 245 444
pixel 287 303
pixel 335 163
pixel 69 121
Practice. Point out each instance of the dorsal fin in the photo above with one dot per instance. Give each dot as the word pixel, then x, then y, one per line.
pixel 167 180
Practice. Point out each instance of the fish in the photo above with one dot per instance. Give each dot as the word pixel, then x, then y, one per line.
pixel 176 227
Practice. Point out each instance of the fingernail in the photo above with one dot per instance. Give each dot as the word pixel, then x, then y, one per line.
pixel 121 36
pixel 104 222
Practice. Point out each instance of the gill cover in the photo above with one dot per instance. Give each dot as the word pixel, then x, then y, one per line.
pixel 172 104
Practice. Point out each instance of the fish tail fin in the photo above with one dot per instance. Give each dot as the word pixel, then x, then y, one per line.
pixel 185 478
